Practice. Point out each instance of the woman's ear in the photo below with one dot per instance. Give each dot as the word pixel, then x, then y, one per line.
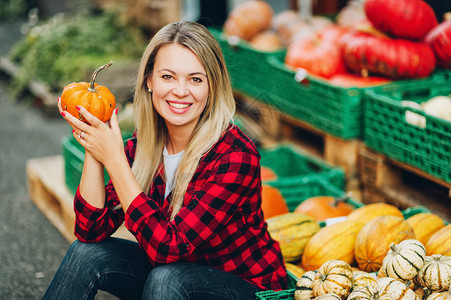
pixel 149 84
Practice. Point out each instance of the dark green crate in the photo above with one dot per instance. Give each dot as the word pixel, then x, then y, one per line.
pixel 272 295
pixel 332 109
pixel 74 157
pixel 295 167
pixel 249 71
pixel 387 131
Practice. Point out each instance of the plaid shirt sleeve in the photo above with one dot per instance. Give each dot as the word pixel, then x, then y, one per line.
pixel 205 213
pixel 94 224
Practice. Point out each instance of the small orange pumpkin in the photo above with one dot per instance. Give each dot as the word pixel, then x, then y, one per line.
pixel 97 99
pixel 273 203
pixel 323 207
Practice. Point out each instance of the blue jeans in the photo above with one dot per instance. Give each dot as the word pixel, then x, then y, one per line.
pixel 121 268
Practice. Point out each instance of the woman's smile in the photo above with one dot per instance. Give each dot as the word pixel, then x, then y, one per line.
pixel 179 107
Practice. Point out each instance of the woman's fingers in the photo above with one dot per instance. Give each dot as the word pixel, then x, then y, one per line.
pixel 94 121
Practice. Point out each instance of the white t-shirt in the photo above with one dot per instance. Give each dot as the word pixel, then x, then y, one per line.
pixel 170 165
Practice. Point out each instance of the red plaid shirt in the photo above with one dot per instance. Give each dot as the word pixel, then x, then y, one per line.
pixel 220 224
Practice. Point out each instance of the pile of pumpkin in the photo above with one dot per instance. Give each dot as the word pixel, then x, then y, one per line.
pixel 361 240
pixel 369 43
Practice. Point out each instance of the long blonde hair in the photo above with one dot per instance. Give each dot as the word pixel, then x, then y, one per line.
pixel 150 126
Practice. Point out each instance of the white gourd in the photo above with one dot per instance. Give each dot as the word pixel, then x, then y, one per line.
pixel 404 260
pixel 396 289
pixel 436 272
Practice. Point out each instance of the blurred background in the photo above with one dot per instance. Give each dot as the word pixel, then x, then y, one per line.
pixel 46 44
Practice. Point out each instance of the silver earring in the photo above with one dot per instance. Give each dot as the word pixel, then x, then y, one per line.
pixel 150 90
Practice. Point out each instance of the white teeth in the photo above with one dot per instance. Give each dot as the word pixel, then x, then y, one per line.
pixel 178 105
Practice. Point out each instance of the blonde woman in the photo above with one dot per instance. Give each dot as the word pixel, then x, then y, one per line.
pixel 187 186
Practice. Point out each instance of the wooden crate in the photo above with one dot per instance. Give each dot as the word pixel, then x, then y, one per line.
pixel 386 180
pixel 49 193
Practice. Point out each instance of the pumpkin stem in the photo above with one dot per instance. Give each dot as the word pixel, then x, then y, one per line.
pixel 408 283
pixel 94 75
pixel 393 248
pixel 340 199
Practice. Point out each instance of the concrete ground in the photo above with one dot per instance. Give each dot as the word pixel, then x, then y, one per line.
pixel 31 249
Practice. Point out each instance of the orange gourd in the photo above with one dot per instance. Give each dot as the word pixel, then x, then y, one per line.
pixel 370 211
pixel 273 203
pixel 440 242
pixel 375 238
pixel 97 99
pixel 425 225
pixel 323 207
pixel 335 241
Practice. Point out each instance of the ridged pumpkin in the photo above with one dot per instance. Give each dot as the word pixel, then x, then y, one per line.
pixel 368 212
pixel 334 276
pixel 96 99
pixel 409 19
pixel 292 231
pixel 273 203
pixel 334 241
pixel 373 241
pixel 425 225
pixel 324 207
pixel 404 260
pixel 295 269
pixel 397 289
pixel 439 40
pixel 436 272
pixel 363 294
pixel 364 281
pixel 440 242
pixel 304 286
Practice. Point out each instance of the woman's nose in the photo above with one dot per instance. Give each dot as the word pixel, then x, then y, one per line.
pixel 181 90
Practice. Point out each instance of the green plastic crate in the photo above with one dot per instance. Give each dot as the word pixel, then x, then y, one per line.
pixel 249 71
pixel 272 295
pixel 295 167
pixel 387 131
pixel 332 109
pixel 74 157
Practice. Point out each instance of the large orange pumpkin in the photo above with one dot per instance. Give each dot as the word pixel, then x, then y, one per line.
pixel 273 203
pixel 373 241
pixel 323 207
pixel 97 99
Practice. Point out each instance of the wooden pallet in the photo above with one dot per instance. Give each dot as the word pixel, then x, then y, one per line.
pixel 48 191
pixel 387 180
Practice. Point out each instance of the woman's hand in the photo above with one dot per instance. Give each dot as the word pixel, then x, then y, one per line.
pixel 102 140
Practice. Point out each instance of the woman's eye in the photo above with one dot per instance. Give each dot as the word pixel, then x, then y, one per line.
pixel 197 79
pixel 166 76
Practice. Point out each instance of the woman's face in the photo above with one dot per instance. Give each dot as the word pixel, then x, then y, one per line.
pixel 179 86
